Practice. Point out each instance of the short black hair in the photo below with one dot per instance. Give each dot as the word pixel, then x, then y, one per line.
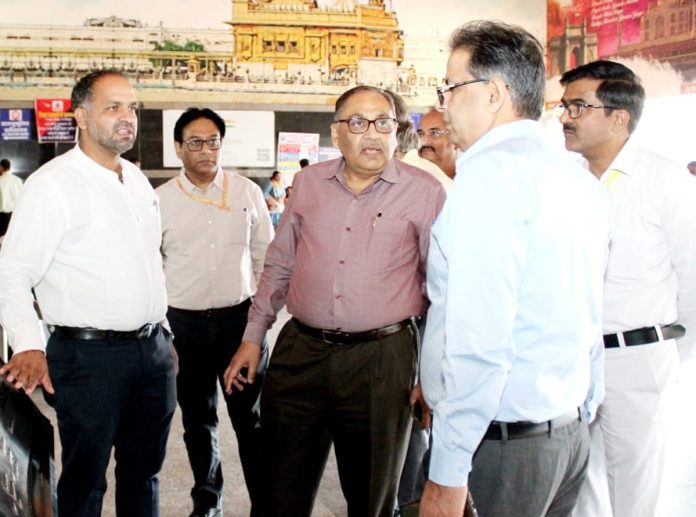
pixel 359 89
pixel 509 52
pixel 192 114
pixel 82 91
pixel 5 164
pixel 620 87
pixel 304 162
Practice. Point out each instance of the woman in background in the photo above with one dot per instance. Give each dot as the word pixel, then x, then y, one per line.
pixel 275 197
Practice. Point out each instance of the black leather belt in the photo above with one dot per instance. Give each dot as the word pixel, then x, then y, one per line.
pixel 517 430
pixel 644 336
pixel 91 334
pixel 219 312
pixel 335 337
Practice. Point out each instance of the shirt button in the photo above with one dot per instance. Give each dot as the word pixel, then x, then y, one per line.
pixel 212 245
pixel 338 296
pixel 210 222
pixel 341 262
pixel 347 228
pixel 212 268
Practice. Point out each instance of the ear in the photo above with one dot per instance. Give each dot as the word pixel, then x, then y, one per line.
pixel 81 117
pixel 498 91
pixel 621 119
pixel 178 149
pixel 334 135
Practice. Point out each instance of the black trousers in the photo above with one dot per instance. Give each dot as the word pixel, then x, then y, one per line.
pixel 355 396
pixel 205 345
pixel 118 394
pixel 4 222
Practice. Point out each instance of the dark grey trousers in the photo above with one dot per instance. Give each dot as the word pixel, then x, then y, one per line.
pixel 531 477
pixel 354 396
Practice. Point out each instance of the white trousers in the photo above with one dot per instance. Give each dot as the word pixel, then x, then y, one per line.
pixel 627 436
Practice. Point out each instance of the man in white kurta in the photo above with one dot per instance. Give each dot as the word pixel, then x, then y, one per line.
pixel 650 286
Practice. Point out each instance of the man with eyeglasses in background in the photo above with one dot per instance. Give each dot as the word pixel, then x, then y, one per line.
pixel 349 258
pixel 215 231
pixel 435 144
pixel 649 288
pixel 515 274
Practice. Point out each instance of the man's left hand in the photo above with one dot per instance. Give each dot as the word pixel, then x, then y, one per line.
pixel 443 501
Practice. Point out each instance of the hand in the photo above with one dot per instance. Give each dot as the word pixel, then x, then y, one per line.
pixel 417 398
pixel 175 356
pixel 247 356
pixel 28 369
pixel 443 501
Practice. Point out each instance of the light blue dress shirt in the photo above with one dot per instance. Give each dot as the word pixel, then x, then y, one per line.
pixel 515 275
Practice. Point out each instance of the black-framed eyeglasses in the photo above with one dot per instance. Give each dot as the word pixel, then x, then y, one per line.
pixel 433 132
pixel 359 125
pixel 196 144
pixel 441 90
pixel 575 109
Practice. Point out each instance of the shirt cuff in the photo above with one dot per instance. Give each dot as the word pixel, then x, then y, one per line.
pixel 449 468
pixel 255 333
pixel 27 337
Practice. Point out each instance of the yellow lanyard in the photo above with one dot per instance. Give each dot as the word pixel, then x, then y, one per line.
pixel 613 176
pixel 222 205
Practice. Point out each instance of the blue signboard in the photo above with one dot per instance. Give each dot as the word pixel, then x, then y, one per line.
pixel 15 124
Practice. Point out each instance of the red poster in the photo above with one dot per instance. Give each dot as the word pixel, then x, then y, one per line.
pixel 54 121
pixel 580 31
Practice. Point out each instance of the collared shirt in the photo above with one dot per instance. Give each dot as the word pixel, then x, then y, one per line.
pixel 213 252
pixel 651 275
pixel 10 187
pixel 88 245
pixel 515 277
pixel 412 158
pixel 347 261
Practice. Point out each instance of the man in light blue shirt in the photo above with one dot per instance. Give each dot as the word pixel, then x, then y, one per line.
pixel 515 278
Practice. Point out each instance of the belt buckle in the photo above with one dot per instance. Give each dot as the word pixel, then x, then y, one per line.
pixel 144 331
pixel 328 337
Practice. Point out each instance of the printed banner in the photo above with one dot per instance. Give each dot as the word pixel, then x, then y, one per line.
pixel 55 122
pixel 15 124
pixel 292 147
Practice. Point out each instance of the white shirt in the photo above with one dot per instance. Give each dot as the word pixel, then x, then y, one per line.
pixel 651 275
pixel 89 246
pixel 515 276
pixel 413 158
pixel 10 187
pixel 213 255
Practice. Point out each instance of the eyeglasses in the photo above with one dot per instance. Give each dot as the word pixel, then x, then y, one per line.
pixel 196 144
pixel 433 132
pixel 442 90
pixel 359 125
pixel 575 109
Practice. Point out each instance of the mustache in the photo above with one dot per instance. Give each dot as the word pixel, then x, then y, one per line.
pixel 372 143
pixel 424 147
pixel 124 125
pixel 569 127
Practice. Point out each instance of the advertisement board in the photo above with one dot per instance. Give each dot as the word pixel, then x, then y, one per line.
pixel 55 122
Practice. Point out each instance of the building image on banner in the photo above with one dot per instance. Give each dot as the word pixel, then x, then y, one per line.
pixel 580 31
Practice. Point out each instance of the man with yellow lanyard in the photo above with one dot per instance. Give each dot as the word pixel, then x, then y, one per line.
pixel 215 230
pixel 649 286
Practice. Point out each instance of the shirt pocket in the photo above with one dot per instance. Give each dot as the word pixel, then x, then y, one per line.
pixel 389 244
pixel 236 227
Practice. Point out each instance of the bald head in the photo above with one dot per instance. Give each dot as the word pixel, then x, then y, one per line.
pixel 434 144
